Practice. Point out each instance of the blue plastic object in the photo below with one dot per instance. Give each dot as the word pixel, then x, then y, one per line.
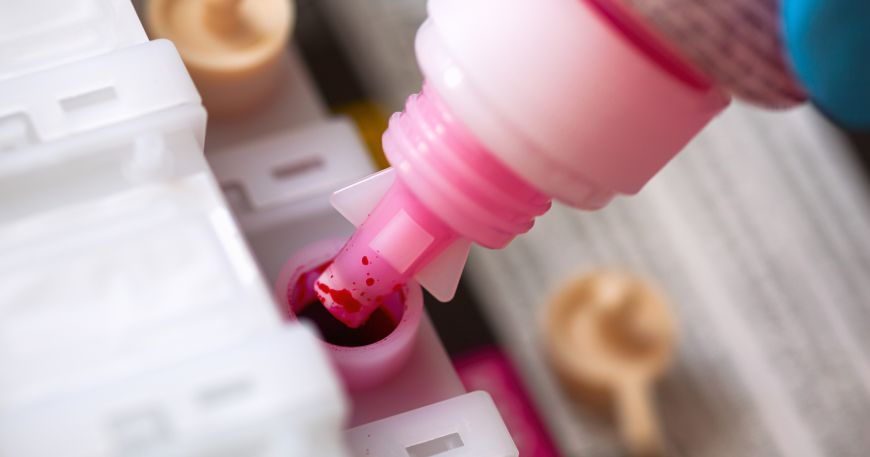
pixel 829 44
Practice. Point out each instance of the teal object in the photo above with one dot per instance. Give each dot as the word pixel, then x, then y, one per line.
pixel 829 45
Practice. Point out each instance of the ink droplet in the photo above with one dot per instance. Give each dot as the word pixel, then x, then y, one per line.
pixel 341 298
pixel 365 260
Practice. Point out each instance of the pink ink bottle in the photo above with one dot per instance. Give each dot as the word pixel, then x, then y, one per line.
pixel 523 102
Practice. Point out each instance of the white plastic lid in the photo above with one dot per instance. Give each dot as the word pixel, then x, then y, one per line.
pixel 465 426
pixel 91 93
pixel 36 34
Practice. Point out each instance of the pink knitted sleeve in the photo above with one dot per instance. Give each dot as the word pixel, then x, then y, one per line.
pixel 737 43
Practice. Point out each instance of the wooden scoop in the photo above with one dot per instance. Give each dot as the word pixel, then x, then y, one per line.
pixel 610 335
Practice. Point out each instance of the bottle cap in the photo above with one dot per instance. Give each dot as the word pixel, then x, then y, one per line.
pixel 233 49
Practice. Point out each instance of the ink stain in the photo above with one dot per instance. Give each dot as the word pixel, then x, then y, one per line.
pixel 370 281
pixel 341 297
pixel 365 260
pixel 305 305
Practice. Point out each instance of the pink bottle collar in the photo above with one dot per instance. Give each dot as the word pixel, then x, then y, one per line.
pixel 456 177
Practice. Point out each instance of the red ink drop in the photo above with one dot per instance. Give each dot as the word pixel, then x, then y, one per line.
pixel 342 298
pixel 365 260
pixel 370 282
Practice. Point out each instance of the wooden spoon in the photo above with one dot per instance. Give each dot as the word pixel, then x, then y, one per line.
pixel 610 335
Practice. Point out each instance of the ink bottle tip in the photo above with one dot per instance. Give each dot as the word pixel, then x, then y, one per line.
pixel 369 353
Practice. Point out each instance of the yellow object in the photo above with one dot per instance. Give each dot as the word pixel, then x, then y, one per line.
pixel 233 49
pixel 371 122
pixel 610 335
